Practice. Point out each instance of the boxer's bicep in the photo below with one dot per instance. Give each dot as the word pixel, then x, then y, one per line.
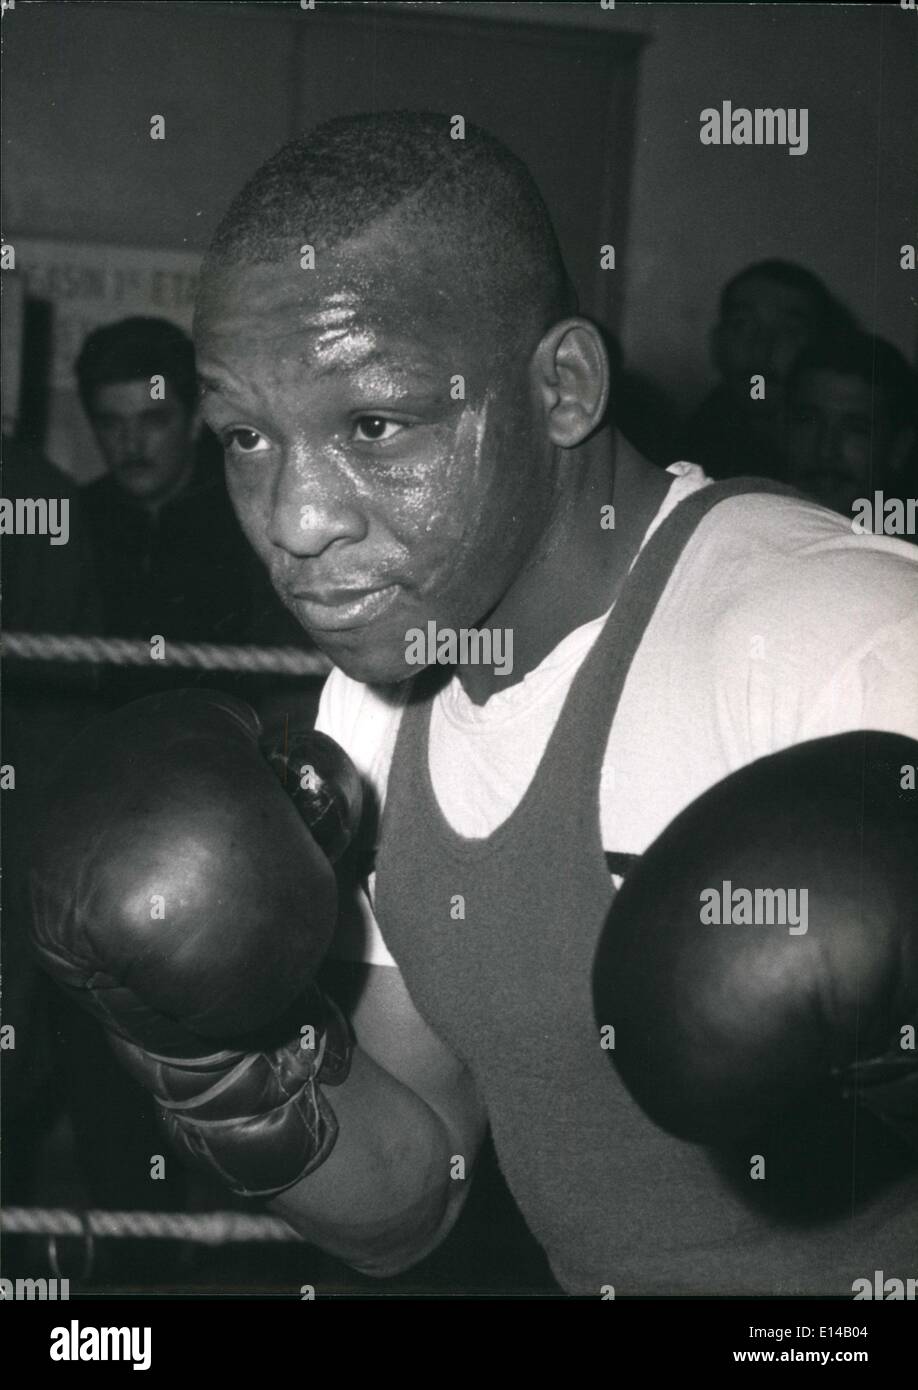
pixel 390 1030
pixel 383 1199
pixel 361 975
pixel 392 1187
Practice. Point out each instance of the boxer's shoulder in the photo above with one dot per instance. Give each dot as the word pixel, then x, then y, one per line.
pixel 779 623
pixel 790 527
pixel 784 560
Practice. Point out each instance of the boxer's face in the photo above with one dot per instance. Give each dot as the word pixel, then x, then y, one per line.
pixel 377 499
pixel 147 444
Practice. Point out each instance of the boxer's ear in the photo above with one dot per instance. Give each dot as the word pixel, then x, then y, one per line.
pixel 571 374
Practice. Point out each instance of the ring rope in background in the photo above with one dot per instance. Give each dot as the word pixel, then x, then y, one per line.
pixel 207 1228
pixel 124 651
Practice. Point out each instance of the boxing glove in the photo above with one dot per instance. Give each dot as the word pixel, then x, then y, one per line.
pixel 323 784
pixel 178 895
pixel 763 954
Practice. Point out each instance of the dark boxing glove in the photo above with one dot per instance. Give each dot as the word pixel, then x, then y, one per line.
pixel 179 896
pixel 323 784
pixel 722 1025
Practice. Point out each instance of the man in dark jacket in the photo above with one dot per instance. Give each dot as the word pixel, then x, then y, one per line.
pixel 170 555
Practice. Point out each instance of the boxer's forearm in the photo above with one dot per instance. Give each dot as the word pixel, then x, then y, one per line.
pixel 389 1191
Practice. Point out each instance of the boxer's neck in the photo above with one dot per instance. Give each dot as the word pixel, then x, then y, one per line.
pixel 573 574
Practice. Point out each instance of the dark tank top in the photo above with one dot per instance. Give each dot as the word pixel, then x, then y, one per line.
pixel 495 939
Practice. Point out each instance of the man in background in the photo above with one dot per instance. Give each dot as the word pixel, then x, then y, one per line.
pixel 852 426
pixel 171 559
pixel 769 313
pixel 170 556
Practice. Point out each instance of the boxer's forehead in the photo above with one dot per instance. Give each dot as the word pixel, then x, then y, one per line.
pixel 363 307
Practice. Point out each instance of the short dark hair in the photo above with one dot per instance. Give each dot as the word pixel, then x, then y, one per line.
pixel 326 187
pixel 134 349
pixel 831 314
pixel 872 360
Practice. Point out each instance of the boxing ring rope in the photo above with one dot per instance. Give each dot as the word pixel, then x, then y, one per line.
pixel 123 651
pixel 208 1228
pixel 211 1228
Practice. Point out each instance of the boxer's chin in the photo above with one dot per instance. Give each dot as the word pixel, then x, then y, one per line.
pixel 370 659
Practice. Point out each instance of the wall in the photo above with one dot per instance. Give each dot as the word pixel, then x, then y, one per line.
pixel 95 205
pixel 81 83
pixel 699 213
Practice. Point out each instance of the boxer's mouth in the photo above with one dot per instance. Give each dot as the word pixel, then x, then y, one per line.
pixel 337 609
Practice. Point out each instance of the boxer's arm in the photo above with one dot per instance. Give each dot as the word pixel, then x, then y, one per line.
pixel 386 1196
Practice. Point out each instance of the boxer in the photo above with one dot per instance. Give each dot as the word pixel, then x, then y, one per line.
pixel 415 423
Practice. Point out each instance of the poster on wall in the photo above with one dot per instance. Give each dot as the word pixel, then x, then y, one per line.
pixel 83 286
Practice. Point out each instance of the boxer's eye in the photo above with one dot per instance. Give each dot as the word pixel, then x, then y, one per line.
pixel 244 441
pixel 375 429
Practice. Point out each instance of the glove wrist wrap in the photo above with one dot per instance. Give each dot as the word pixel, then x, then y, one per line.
pixel 258 1120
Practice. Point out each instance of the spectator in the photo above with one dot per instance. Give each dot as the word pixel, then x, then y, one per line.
pixel 852 418
pixel 170 556
pixel 769 312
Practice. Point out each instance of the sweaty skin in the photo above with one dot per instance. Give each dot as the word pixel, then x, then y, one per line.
pixel 376 499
